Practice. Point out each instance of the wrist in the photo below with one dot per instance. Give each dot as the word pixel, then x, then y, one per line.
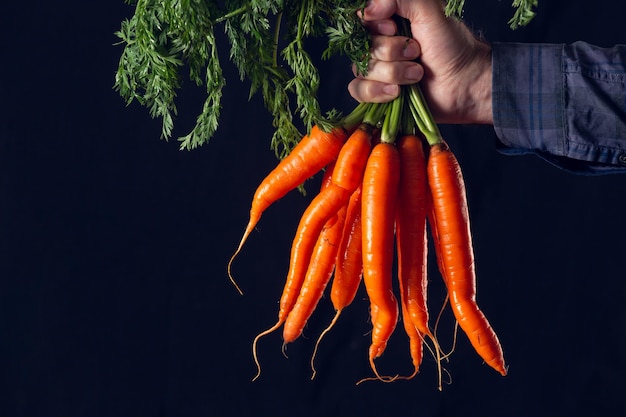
pixel 462 93
pixel 478 104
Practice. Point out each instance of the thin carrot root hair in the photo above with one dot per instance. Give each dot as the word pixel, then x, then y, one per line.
pixel 375 354
pixel 454 340
pixel 232 258
pixel 441 310
pixel 372 360
pixel 319 339
pixel 377 376
pixel 255 343
pixel 417 342
pixel 249 228
pixel 436 353
pixel 441 356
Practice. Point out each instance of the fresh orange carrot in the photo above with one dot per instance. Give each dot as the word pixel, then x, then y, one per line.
pixel 291 287
pixel 379 195
pixel 322 208
pixel 349 269
pixel 451 218
pixel 311 154
pixel 352 158
pixel 317 276
pixel 411 230
pixel 346 177
pixel 411 244
pixel 348 266
pixel 416 340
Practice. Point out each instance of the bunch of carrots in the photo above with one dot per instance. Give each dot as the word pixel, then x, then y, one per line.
pixel 389 179
pixel 380 189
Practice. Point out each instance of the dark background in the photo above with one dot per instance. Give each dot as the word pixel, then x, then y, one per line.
pixel 114 298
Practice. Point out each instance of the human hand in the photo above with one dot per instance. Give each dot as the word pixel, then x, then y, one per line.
pixel 454 67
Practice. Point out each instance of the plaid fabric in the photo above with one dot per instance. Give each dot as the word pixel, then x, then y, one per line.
pixel 566 103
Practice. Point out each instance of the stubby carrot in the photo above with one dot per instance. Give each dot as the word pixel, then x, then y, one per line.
pixel 379 194
pixel 451 218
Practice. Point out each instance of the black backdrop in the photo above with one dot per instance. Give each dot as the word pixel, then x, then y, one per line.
pixel 114 298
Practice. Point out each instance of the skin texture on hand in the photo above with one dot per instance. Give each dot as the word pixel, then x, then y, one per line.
pixel 452 65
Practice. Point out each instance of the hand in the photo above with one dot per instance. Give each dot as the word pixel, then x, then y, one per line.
pixel 454 69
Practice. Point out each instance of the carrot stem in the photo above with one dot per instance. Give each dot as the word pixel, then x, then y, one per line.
pixel 422 115
pixel 393 117
pixel 356 116
pixel 375 114
pixel 417 103
pixel 227 16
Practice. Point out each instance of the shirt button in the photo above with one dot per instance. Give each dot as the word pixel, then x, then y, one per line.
pixel 622 159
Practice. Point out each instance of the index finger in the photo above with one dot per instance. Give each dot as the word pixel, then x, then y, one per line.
pixel 379 10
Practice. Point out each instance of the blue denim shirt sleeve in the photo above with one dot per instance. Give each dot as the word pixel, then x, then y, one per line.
pixel 563 102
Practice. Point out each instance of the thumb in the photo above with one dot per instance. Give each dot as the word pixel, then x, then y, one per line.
pixel 416 11
pixel 421 11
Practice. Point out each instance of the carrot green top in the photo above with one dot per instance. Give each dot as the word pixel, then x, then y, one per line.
pixel 267 45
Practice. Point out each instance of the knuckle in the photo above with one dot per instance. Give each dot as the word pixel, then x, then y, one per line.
pixel 365 90
pixel 387 72
pixel 378 49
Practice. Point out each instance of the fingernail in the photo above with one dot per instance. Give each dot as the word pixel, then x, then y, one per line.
pixel 413 72
pixel 391 90
pixel 410 50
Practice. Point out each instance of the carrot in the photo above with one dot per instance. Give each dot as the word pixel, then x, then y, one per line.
pixel 346 177
pixel 416 347
pixel 291 287
pixel 451 218
pixel 411 230
pixel 411 244
pixel 311 154
pixel 318 274
pixel 352 158
pixel 348 268
pixel 322 208
pixel 379 194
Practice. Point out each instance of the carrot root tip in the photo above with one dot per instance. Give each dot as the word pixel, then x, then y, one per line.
pixel 255 343
pixel 319 339
pixel 229 268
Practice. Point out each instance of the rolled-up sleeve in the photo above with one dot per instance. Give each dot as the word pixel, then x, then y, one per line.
pixel 565 103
